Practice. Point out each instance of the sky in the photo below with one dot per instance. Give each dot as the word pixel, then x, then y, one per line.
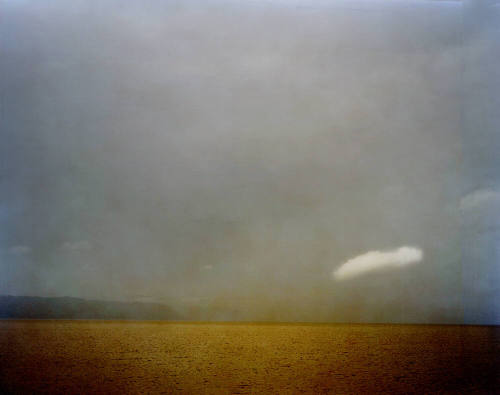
pixel 254 160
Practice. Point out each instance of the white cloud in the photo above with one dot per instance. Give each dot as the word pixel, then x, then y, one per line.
pixel 479 198
pixel 374 260
pixel 76 246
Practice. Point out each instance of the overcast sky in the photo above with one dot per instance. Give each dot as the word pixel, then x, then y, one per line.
pixel 261 159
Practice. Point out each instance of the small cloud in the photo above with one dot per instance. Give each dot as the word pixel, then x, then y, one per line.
pixel 479 198
pixel 19 250
pixel 194 301
pixel 207 267
pixel 374 260
pixel 145 299
pixel 76 246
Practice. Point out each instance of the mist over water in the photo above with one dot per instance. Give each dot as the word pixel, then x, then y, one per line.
pixel 226 157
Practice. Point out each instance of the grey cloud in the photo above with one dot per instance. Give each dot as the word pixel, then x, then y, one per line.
pixel 263 139
pixel 76 246
pixel 19 250
pixel 480 198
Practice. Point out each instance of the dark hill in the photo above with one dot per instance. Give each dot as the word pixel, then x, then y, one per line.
pixel 75 308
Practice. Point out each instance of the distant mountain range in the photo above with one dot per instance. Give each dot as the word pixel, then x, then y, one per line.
pixel 75 308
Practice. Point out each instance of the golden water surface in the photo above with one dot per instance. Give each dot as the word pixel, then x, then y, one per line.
pixel 109 357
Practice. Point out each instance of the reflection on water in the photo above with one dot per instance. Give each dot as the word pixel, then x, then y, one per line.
pixel 140 357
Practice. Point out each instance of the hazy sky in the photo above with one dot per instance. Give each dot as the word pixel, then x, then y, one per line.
pixel 235 159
